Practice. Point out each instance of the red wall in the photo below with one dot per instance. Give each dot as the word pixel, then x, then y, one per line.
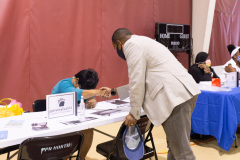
pixel 225 30
pixel 45 41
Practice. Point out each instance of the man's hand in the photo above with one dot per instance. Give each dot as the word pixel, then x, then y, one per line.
pixel 105 92
pixel 91 103
pixel 230 68
pixel 130 120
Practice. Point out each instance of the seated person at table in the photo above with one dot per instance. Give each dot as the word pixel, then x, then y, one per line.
pixel 84 83
pixel 201 70
pixel 233 65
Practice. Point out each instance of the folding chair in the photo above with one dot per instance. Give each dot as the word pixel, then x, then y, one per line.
pixel 113 149
pixel 39 105
pixel 8 150
pixel 58 147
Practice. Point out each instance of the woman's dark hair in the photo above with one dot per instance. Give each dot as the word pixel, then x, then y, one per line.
pixel 201 57
pixel 88 78
pixel 230 48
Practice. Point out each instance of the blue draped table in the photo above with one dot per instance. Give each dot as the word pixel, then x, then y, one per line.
pixel 218 114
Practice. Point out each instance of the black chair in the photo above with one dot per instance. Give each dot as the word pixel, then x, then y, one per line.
pixel 113 149
pixel 39 105
pixel 59 147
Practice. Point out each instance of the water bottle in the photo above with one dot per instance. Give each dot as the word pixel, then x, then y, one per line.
pixel 82 108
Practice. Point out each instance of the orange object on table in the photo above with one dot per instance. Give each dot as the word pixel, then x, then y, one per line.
pixel 216 82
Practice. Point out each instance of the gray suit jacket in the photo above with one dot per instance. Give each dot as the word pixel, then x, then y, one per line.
pixel 157 81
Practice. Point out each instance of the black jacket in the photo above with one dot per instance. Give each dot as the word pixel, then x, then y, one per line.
pixel 199 74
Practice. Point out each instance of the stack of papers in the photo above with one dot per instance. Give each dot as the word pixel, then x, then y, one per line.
pixel 14 124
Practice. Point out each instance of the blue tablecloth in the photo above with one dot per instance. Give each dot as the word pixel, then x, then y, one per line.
pixel 218 114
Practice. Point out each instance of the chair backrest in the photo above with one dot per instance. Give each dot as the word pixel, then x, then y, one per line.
pixel 219 70
pixel 52 147
pixel 39 105
pixel 144 124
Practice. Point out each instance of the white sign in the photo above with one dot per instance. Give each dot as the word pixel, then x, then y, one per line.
pixel 60 105
pixel 232 79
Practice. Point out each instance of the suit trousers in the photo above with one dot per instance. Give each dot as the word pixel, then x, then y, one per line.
pixel 177 128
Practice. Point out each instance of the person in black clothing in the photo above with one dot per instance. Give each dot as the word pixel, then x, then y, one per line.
pixel 201 70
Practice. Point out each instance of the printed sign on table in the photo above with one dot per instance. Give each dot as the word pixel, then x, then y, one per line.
pixel 232 79
pixel 60 105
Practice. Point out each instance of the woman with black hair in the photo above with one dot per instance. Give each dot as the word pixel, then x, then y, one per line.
pixel 233 65
pixel 84 83
pixel 201 70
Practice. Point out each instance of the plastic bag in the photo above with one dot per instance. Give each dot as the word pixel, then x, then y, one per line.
pixel 13 109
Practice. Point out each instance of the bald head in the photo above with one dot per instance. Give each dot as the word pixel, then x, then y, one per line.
pixel 120 34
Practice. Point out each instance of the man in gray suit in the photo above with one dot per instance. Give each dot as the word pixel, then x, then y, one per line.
pixel 161 86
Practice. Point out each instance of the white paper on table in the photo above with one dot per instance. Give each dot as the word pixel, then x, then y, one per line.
pixel 35 115
pixel 14 124
pixel 212 88
pixel 113 104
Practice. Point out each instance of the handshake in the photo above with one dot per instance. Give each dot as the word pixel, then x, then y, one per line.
pixel 105 92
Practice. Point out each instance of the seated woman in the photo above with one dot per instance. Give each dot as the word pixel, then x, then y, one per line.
pixel 84 83
pixel 201 70
pixel 233 65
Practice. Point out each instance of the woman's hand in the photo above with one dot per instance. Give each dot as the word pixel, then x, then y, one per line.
pixel 95 92
pixel 91 103
pixel 229 68
pixel 205 68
